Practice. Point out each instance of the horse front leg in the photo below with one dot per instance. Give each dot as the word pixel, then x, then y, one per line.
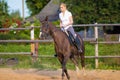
pixel 64 69
pixel 63 73
pixel 66 72
pixel 62 63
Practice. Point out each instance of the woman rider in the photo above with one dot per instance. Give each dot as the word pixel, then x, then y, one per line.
pixel 66 21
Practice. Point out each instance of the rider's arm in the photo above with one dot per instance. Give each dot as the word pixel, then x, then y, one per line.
pixel 70 21
pixel 61 24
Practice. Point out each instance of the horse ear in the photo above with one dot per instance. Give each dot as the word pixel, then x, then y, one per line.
pixel 46 19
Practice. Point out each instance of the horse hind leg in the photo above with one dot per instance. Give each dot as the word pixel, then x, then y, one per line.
pixel 83 63
pixel 73 59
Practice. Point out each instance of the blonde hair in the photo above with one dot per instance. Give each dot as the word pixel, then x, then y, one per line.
pixel 63 4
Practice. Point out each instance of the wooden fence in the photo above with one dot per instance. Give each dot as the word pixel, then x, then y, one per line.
pixel 91 40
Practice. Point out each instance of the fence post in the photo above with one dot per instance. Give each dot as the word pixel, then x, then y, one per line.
pixel 96 46
pixel 119 37
pixel 32 38
pixel 85 32
pixel 36 50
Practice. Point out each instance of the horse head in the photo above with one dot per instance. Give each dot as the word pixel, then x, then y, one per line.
pixel 44 29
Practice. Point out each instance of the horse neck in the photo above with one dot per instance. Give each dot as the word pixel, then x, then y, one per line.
pixel 55 33
pixel 53 30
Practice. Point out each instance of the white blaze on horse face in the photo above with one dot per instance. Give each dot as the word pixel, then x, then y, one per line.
pixel 40 35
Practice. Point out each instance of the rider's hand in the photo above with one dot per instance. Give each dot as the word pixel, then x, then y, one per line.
pixel 62 29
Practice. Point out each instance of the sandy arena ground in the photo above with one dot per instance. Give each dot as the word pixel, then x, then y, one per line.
pixel 33 74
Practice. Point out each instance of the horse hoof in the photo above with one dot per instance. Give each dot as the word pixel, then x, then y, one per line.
pixel 84 74
pixel 68 77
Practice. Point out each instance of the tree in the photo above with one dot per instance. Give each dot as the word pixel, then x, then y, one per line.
pixel 3 11
pixel 3 7
pixel 14 18
pixel 85 11
pixel 6 19
pixel 15 14
pixel 35 6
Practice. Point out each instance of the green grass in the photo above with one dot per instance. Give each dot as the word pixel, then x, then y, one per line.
pixel 14 48
pixel 53 63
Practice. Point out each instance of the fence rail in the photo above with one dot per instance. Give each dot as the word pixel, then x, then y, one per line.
pixel 94 40
pixel 25 41
pixel 78 25
pixel 50 56
pixel 18 53
pixel 107 42
pixel 38 41
pixel 94 25
pixel 2 29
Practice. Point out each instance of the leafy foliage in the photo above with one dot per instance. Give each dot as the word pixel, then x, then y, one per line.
pixel 3 11
pixel 6 19
pixel 36 5
pixel 90 11
pixel 85 11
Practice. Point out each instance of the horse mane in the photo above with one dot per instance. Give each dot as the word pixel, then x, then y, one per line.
pixel 60 38
pixel 56 29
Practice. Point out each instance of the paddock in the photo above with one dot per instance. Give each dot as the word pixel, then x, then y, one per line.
pixel 34 74
pixel 93 40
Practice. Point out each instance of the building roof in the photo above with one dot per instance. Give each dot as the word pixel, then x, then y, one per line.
pixel 51 10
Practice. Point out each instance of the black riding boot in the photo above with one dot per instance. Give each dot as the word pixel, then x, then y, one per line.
pixel 77 44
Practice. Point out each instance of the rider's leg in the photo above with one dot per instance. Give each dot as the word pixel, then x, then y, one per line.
pixel 77 42
pixel 70 29
pixel 76 39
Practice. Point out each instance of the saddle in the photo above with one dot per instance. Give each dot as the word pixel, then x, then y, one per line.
pixel 72 40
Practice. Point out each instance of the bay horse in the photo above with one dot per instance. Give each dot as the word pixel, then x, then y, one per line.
pixel 63 48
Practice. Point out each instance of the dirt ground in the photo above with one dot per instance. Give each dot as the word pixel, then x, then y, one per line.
pixel 34 74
